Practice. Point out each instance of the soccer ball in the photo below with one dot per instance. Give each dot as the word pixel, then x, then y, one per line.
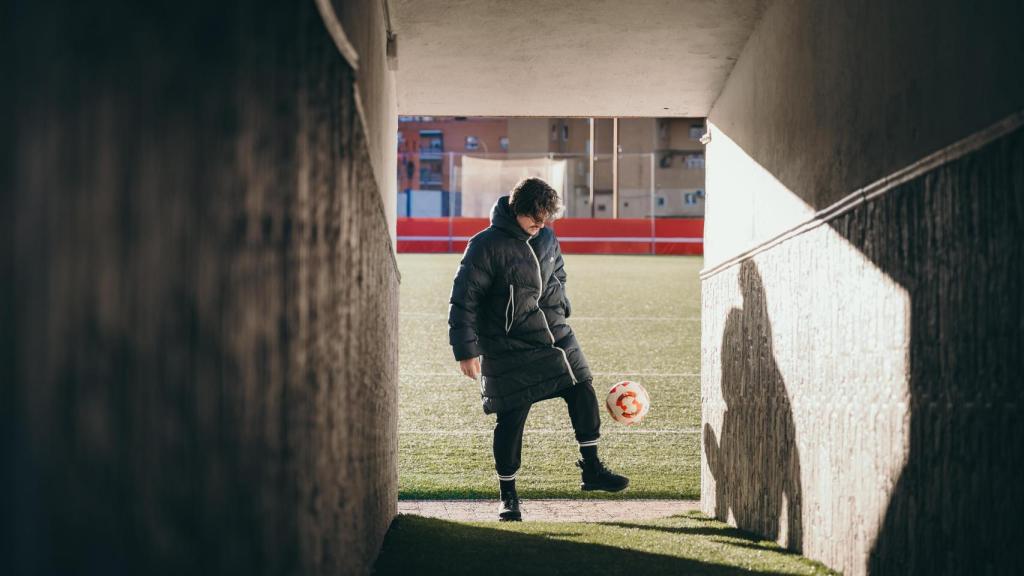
pixel 628 402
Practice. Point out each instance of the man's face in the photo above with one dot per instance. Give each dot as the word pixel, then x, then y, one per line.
pixel 532 224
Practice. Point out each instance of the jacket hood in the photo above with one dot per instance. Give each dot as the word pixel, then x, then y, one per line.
pixel 503 219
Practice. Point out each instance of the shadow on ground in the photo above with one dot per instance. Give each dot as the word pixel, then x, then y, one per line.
pixel 685 544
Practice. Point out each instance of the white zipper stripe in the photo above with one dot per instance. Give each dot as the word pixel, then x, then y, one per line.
pixel 510 317
pixel 540 276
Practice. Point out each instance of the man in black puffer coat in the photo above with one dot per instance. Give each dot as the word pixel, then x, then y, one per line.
pixel 509 305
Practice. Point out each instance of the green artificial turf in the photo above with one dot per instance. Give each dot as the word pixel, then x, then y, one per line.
pixel 636 317
pixel 685 544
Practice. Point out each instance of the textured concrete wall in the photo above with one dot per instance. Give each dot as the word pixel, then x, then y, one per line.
pixel 954 239
pixel 861 378
pixel 830 96
pixel 365 24
pixel 804 396
pixel 875 425
pixel 200 315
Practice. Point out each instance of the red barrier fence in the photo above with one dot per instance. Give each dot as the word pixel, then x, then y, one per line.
pixel 576 235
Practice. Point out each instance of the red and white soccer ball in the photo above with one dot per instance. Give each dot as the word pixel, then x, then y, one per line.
pixel 628 402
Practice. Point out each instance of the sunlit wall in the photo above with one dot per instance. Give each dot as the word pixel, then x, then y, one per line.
pixel 863 286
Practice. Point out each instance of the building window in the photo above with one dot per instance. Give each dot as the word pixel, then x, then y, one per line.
pixel 472 143
pixel 431 141
pixel 503 142
pixel 695 161
pixel 431 174
pixel 661 201
pixel 696 131
pixel 565 132
pixel 554 131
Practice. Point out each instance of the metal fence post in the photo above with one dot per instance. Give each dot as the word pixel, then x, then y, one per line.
pixel 451 200
pixel 654 249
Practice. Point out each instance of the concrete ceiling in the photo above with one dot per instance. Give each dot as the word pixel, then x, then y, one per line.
pixel 566 58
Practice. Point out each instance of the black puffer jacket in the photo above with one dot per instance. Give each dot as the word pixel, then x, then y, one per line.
pixel 509 305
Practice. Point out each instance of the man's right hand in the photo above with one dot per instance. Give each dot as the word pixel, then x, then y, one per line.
pixel 470 367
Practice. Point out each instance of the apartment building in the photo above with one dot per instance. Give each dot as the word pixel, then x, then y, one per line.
pixel 660 169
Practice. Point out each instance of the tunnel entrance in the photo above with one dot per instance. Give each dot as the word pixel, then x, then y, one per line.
pixel 631 235
pixel 631 241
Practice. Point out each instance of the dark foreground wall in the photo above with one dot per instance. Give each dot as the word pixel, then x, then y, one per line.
pixel 200 297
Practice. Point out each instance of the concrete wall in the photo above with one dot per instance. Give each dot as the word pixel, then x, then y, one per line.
pixel 200 305
pixel 861 371
pixel 830 96
pixel 365 25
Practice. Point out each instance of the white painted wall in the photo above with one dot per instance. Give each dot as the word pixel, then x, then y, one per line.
pixel 365 26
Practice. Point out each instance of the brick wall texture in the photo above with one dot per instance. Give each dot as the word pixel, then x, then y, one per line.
pixel 861 382
pixel 202 306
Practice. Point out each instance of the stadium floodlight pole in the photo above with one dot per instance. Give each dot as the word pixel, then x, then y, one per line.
pixel 592 146
pixel 615 168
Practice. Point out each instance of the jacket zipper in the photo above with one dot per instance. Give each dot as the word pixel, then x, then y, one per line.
pixel 510 308
pixel 540 277
pixel 562 286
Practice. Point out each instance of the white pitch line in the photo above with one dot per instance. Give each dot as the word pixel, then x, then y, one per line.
pixel 567 431
pixel 570 239
pixel 571 318
pixel 657 318
pixel 650 374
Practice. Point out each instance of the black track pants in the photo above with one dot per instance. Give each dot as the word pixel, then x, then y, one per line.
pixel 508 431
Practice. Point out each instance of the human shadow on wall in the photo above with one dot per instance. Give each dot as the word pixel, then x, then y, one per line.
pixel 953 239
pixel 755 464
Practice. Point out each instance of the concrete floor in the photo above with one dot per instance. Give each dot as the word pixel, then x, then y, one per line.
pixel 550 510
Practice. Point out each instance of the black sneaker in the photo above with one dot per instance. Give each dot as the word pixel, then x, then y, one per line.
pixel 597 477
pixel 508 510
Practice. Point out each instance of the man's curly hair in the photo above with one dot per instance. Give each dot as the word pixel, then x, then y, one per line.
pixel 533 197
